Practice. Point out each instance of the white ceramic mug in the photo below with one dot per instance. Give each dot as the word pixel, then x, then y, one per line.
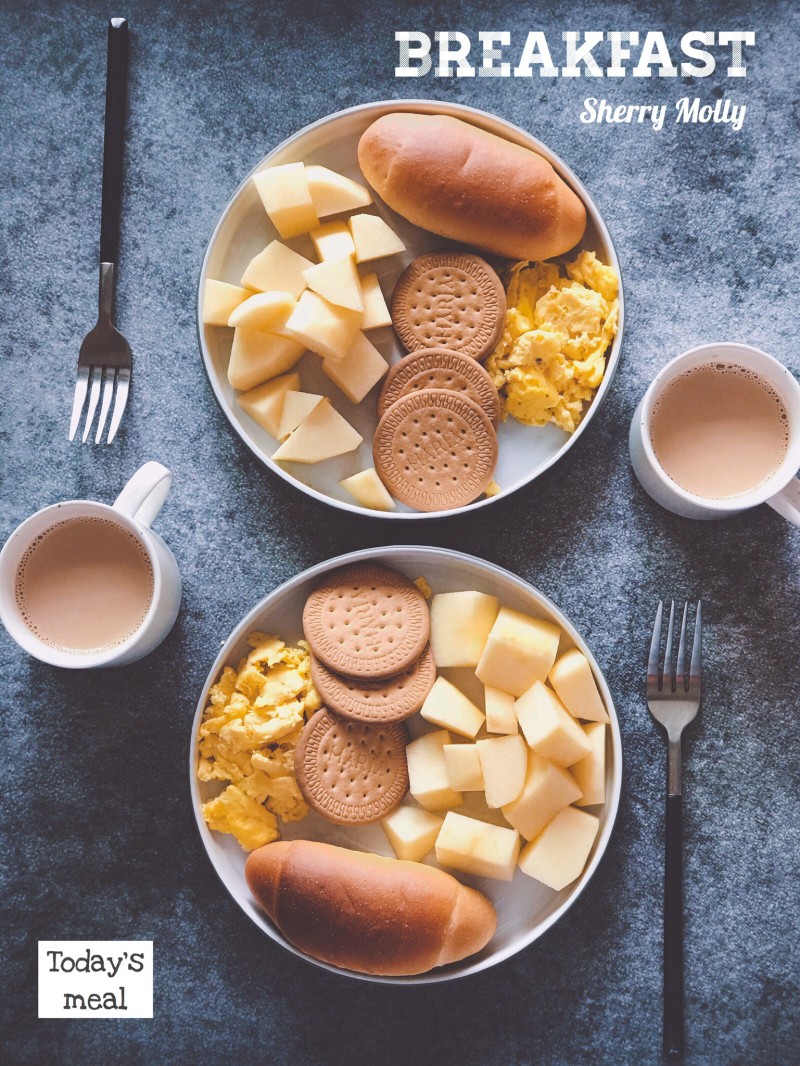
pixel 134 509
pixel 781 490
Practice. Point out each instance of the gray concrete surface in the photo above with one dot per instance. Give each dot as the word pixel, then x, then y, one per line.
pixel 98 835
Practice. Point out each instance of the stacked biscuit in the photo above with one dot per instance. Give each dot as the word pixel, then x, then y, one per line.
pixel 435 447
pixel 368 629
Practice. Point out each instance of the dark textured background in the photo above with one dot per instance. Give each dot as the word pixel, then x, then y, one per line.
pixel 98 835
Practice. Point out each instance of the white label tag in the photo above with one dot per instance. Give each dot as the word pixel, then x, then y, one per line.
pixel 95 978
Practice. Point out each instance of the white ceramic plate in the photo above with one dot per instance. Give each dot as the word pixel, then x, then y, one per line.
pixel 525 908
pixel 244 230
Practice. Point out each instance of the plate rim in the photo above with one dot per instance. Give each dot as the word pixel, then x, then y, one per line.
pixel 436 975
pixel 473 115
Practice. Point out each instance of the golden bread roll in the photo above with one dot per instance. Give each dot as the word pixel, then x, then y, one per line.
pixel 367 913
pixel 463 183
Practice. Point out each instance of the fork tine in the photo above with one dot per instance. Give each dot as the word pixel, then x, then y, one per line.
pixel 681 680
pixel 123 385
pixel 81 388
pixel 108 390
pixel 667 682
pixel 655 644
pixel 94 396
pixel 697 651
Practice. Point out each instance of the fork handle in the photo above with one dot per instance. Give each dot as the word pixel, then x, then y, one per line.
pixel 114 138
pixel 673 931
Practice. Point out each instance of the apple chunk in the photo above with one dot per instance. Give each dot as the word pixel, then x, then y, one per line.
pixel 265 403
pixel 323 435
pixel 327 330
pixel 376 312
pixel 428 782
pixel 367 489
pixel 546 790
pixel 372 238
pixel 558 855
pixel 276 269
pixel 263 311
pixel 296 408
pixel 286 198
pixel 359 371
pixel 463 767
pixel 519 650
pixel 504 761
pixel 477 847
pixel 220 300
pixel 412 832
pixel 332 240
pixel 257 357
pixel 549 728
pixel 332 192
pixel 590 771
pixel 500 714
pixel 448 707
pixel 572 678
pixel 460 624
pixel 338 281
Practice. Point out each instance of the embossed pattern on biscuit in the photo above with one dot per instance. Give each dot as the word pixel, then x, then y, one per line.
pixel 349 772
pixel 435 450
pixel 388 700
pixel 440 368
pixel 366 622
pixel 450 300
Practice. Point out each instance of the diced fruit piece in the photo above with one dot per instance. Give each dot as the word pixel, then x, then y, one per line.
pixel 276 269
pixel 447 706
pixel 257 357
pixel 549 728
pixel 262 311
pixel 265 403
pixel 519 651
pixel 296 408
pixel 376 313
pixel 367 489
pixel 500 714
pixel 504 761
pixel 547 789
pixel 412 832
pixel 373 238
pixel 477 847
pixel 572 678
pixel 327 330
pixel 338 281
pixel 460 624
pixel 463 767
pixel 220 300
pixel 558 855
pixel 332 192
pixel 427 772
pixel 333 241
pixel 360 370
pixel 590 771
pixel 323 435
pixel 286 198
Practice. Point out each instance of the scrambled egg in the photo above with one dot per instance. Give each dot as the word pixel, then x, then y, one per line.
pixel 551 357
pixel 247 737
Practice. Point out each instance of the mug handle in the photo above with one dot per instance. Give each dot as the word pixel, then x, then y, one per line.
pixel 787 501
pixel 144 495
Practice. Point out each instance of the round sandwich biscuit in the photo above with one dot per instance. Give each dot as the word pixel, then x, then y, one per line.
pixel 351 773
pixel 367 622
pixel 435 450
pixel 449 300
pixel 389 700
pixel 440 368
